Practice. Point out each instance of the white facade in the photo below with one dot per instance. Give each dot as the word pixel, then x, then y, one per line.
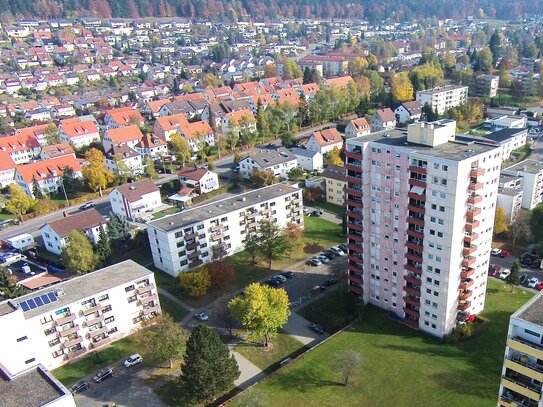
pixel 81 140
pixel 279 162
pixel 403 115
pixel 510 200
pixel 313 145
pixel 55 242
pixel 129 209
pixel 84 314
pixel 308 160
pixel 420 223
pixel 443 98
pixel 531 174
pixel 352 130
pixel 133 163
pixel 193 237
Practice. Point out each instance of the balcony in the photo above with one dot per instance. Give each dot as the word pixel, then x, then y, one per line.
pixel 413 269
pixel 417 258
pixel 92 310
pixel 354 226
pixel 355 215
pixel 189 236
pixel 412 312
pixel 355 248
pixel 473 211
pixel 415 208
pixel 192 246
pixel 531 370
pixel 72 342
pixel 465 274
pixel 516 401
pixel 467 250
pixel 354 192
pixel 355 238
pixel 355 279
pixel 415 302
pixel 418 197
pixel 470 237
pixel 477 172
pixel 417 182
pixel 148 299
pixel 101 343
pixel 355 289
pixel 524 388
pixel 464 285
pixel 353 167
pixel 69 331
pixel 97 332
pixel 150 310
pixel 415 234
pixel 216 237
pixel 196 263
pixel 412 290
pixel 417 169
pixel 355 262
pixel 412 279
pixel 464 295
pixel 416 221
pixel 216 228
pixel 354 203
pixel 417 246
pixel 411 322
pixel 462 316
pixel 474 199
pixel 94 321
pixel 527 347
pixel 75 354
pixel 65 319
pixel 355 155
pixel 353 179
pixel 471 226
pixel 463 306
pixel 144 289
pixel 475 186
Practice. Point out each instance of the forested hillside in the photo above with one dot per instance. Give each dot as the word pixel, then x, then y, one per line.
pixel 372 10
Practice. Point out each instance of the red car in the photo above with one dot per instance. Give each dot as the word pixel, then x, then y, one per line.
pixel 540 287
pixel 505 253
pixel 494 270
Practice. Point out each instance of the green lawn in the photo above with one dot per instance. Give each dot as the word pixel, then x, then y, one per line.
pixel 328 207
pixel 333 311
pixel 169 211
pixel 400 366
pixel 322 232
pixel 172 308
pixel 282 347
pixel 72 372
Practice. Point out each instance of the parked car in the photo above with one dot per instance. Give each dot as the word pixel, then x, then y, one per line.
pixel 533 282
pixel 329 255
pixel 273 282
pixel 504 274
pixel 79 387
pixel 505 253
pixel 330 281
pixel 495 251
pixel 317 213
pixel 539 287
pixel 103 374
pixel 280 278
pixel 494 269
pixel 314 262
pixel 343 247
pixel 87 205
pixel 288 274
pixel 318 328
pixel 536 264
pixel 337 250
pixel 319 288
pixel 523 279
pixel 306 209
pixel 202 317
pixel 323 258
pixel 133 360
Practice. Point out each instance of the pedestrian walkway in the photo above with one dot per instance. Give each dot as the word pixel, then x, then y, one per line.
pixel 175 299
pixel 298 327
pixel 250 373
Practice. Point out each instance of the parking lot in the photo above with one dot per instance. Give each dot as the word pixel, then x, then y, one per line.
pixel 507 263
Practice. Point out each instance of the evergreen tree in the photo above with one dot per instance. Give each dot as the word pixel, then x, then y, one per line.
pixel 262 123
pixel 428 113
pixel 36 190
pixel 209 370
pixel 118 228
pixel 513 278
pixel 495 45
pixel 103 247
pixel 307 75
pixel 8 288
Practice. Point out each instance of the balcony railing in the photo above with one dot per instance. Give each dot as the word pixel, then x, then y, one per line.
pixel 417 169
pixel 467 250
pixel 354 192
pixel 65 319
pixel 416 234
pixel 355 203
pixel 477 172
pixel 474 199
pixel 412 312
pixel 411 290
pixel 464 295
pixel 464 285
pixel 475 186
pixel 414 301
pixel 462 306
pixel 417 182
pixel 471 226
pixel 417 258
pixel 145 288
pixel 92 310
pixel 355 289
pixel 412 279
pixel 465 274
pixel 355 215
pixel 470 237
pixel 413 269
pixel 355 155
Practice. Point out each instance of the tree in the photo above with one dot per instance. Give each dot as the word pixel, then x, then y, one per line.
pixel 333 157
pixel 357 66
pixel 262 311
pixel 272 241
pixel 181 148
pixel 103 247
pixel 296 174
pixel 150 170
pixel 495 46
pixel 426 76
pixel 501 225
pixel 70 182
pixel 263 178
pixel 95 173
pixel 221 273
pixel 51 134
pixel 519 229
pixel 36 189
pixel 19 202
pixel 79 254
pixel 44 205
pixel 347 363
pixel 196 283
pixel 211 81
pixel 123 172
pixel 312 194
pixel 291 70
pixel 209 370
pixel 118 229
pixel 270 71
pixel 513 278
pixel 262 122
pixel 163 341
pixel 428 113
pixel 294 234
pixel 484 61
pixel 8 287
pixel 402 88
pixel 287 139
pixel 251 247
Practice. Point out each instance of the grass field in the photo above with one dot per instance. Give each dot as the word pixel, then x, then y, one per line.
pixel 172 308
pixel 282 347
pixel 328 207
pixel 333 311
pixel 123 348
pixel 169 211
pixel 400 366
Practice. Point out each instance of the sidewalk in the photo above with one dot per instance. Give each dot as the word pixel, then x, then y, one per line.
pixel 176 300
pixel 250 373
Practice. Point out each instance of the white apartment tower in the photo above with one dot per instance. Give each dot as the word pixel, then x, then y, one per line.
pixel 420 213
pixel 443 98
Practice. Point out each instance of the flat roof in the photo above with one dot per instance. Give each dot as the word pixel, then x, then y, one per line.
pixel 440 89
pixel 509 191
pixel 529 166
pixel 32 388
pixel 221 207
pixel 452 150
pixel 532 311
pixel 82 287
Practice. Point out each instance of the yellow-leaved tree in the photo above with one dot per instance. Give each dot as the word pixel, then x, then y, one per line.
pixel 401 87
pixel 95 173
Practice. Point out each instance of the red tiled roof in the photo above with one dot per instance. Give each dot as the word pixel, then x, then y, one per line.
pixel 19 142
pixel 239 114
pixel 47 168
pixel 124 134
pixel 172 122
pixel 360 124
pixel 150 141
pixel 6 162
pixel 327 137
pixel 193 173
pixel 75 127
pixel 340 82
pixel 386 115
pixel 125 115
pixel 192 130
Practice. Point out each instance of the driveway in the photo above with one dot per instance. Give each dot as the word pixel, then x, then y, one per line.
pixel 298 327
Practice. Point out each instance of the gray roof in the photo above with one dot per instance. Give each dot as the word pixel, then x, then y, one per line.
pixel 85 286
pixel 33 388
pixel 441 89
pixel 532 311
pixel 304 152
pixel 222 207
pixel 505 134
pixel 270 158
pixel 454 151
pixel 527 166
pixel 509 191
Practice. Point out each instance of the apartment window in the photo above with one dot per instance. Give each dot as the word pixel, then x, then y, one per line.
pixel 428 291
pixel 46 319
pixel 436 294
pixel 132 299
pixel 434 206
pixel 136 319
pixel 109 319
pixel 200 227
pixel 434 326
pixel 129 288
pixel 107 308
pixel 532 333
pixel 445 167
pixel 22 338
pixel 29 361
pixel 49 331
pixel 427 302
pixel 112 330
pixel 103 297
pixel 434 304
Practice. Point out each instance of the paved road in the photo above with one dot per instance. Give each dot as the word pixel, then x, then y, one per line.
pixel 508 262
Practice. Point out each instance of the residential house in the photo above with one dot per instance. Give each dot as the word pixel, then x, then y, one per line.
pixel 132 201
pixel 443 98
pixel 357 127
pixel 55 234
pixel 79 132
pixel 56 150
pixel 129 136
pixel 325 141
pixel 279 162
pixel 123 159
pixel 7 169
pixel 197 134
pixel 308 160
pixel 201 180
pixel 335 183
pixel 121 117
pixel 408 112
pixel 22 148
pixel 383 119
pixel 243 120
pixel 165 127
pixel 152 146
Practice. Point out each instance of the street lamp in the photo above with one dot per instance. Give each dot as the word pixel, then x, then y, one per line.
pixel 64 190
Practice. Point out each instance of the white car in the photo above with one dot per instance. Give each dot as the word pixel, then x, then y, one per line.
pixel 323 259
pixel 533 282
pixel 202 316
pixel 281 278
pixel 133 360
pixel 337 250
pixel 504 274
pixel 495 252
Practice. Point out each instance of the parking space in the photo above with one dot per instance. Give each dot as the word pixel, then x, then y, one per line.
pixel 507 263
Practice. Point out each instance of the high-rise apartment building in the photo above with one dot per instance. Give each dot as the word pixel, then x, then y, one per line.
pixel 443 98
pixel 522 373
pixel 420 210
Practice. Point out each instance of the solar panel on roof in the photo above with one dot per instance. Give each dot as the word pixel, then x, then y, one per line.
pixel 31 303
pixel 45 299
pixel 52 297
pixel 24 306
pixel 38 301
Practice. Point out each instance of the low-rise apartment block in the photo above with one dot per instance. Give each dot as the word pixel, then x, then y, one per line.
pixel 335 178
pixel 522 373
pixel 201 234
pixel 279 162
pixel 63 322
pixel 443 98
pixel 526 176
